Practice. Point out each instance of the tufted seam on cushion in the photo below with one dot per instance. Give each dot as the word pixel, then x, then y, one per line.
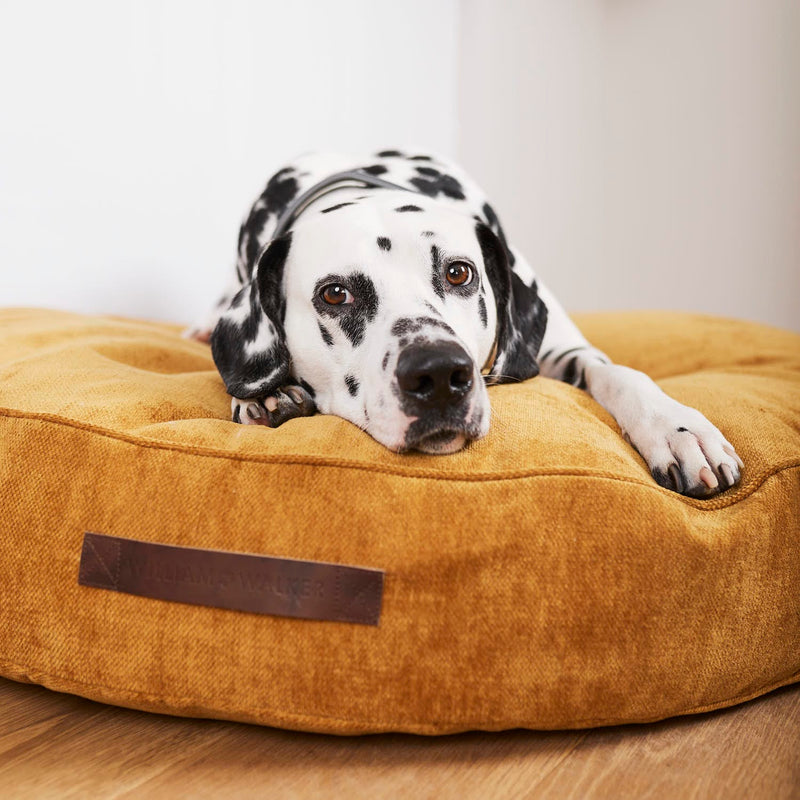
pixel 721 501
pixel 393 724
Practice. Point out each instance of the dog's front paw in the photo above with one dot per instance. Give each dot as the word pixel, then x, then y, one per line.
pixel 686 453
pixel 286 403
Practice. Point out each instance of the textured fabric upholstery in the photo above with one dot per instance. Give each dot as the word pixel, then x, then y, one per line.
pixel 540 578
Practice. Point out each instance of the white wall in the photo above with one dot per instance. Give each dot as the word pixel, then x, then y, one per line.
pixel 643 153
pixel 134 135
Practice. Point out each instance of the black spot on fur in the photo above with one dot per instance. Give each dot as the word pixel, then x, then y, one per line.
pixel 420 158
pixel 682 430
pixel 352 385
pixel 326 334
pixel 436 272
pixel 570 370
pixel 384 243
pixel 409 208
pixel 490 217
pixel 427 233
pixel 249 233
pixel 430 171
pixel 438 184
pixel 389 154
pixel 482 311
pixel 375 169
pixel 240 297
pixel 280 190
pixel 385 360
pixel 249 326
pixel 565 353
pixel 333 208
pixel 494 224
pixel 351 317
pixel 408 325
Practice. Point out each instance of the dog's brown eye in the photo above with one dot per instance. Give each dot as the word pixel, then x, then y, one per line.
pixel 459 273
pixel 335 294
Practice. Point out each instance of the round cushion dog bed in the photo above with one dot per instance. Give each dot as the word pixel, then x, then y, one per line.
pixel 540 578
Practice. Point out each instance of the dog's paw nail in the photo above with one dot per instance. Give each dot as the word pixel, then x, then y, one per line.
pixel 734 455
pixel 727 476
pixel 271 403
pixel 675 474
pixel 295 394
pixel 254 411
pixel 708 478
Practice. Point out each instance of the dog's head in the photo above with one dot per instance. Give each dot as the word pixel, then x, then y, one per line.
pixel 391 307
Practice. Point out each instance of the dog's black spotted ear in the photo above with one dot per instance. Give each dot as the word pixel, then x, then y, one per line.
pixel 521 314
pixel 249 343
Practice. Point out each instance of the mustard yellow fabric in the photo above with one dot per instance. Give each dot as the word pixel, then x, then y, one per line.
pixel 538 579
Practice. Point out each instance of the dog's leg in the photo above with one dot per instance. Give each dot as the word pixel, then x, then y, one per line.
pixel 286 403
pixel 683 450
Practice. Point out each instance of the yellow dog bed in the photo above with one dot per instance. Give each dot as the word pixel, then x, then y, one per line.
pixel 540 578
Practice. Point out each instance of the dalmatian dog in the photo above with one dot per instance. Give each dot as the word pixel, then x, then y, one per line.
pixel 383 290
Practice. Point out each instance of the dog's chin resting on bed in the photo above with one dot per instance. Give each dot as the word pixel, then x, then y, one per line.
pixel 382 289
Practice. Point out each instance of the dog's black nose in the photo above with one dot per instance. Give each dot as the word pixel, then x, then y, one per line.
pixel 434 375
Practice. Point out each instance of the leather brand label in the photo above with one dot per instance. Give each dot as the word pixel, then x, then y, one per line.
pixel 239 581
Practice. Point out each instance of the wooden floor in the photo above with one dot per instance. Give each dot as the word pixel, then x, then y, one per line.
pixel 55 745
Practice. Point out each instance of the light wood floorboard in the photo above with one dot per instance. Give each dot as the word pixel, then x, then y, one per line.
pixel 58 746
